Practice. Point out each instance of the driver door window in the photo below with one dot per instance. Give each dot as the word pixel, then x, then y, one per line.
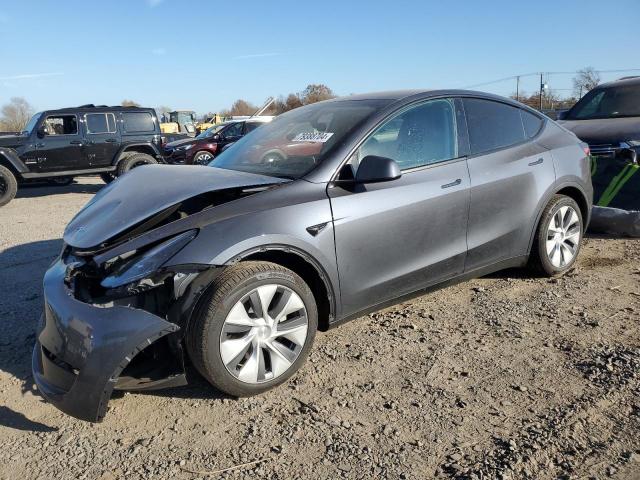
pixel 61 125
pixel 420 136
pixel 234 130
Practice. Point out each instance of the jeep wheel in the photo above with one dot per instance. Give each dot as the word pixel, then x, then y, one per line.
pixel 108 177
pixel 8 186
pixel 255 330
pixel 133 161
pixel 61 181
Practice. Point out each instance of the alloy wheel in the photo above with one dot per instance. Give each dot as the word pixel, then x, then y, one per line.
pixel 203 159
pixel 264 333
pixel 563 236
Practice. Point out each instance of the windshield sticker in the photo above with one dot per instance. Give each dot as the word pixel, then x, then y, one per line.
pixel 313 137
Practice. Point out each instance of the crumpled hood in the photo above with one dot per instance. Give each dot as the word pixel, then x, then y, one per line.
pixel 146 191
pixel 11 140
pixel 609 130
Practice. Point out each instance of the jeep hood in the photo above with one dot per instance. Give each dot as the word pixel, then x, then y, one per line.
pixel 605 130
pixel 156 190
pixel 11 140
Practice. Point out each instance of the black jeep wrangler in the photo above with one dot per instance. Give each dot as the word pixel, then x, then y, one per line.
pixel 58 145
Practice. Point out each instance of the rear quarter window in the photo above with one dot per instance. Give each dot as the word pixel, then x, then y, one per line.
pixel 492 125
pixel 531 123
pixel 137 122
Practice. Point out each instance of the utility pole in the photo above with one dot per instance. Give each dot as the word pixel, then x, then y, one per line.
pixel 540 95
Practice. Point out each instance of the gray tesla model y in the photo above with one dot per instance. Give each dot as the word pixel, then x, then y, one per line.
pixel 329 211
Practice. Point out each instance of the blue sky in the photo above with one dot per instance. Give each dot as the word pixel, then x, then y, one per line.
pixel 202 55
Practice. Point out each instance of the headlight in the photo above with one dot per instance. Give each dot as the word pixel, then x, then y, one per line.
pixel 632 143
pixel 148 263
pixel 185 148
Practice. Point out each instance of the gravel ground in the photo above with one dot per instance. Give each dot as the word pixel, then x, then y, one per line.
pixel 507 376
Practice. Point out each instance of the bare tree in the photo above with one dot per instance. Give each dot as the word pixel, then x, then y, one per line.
pixel 129 103
pixel 15 115
pixel 585 80
pixel 240 107
pixel 315 93
pixel 282 104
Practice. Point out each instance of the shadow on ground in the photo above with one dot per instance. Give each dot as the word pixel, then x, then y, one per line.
pixel 17 421
pixel 32 190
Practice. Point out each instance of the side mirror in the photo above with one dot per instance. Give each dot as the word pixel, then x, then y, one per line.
pixel 41 132
pixel 562 115
pixel 629 155
pixel 375 169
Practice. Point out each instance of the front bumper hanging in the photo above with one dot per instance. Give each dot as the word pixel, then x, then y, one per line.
pixel 81 349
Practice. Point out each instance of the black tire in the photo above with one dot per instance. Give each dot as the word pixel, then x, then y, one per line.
pixel 540 260
pixel 204 331
pixel 134 160
pixel 199 157
pixel 8 186
pixel 108 177
pixel 60 181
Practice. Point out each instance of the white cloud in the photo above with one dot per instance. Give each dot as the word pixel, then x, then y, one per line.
pixel 257 55
pixel 25 76
pixel 159 51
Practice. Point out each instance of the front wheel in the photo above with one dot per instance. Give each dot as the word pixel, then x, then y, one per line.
pixel 255 330
pixel 8 186
pixel 202 157
pixel 133 161
pixel 557 241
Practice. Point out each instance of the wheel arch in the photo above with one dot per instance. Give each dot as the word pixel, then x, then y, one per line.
pixel 147 148
pixel 11 160
pixel 570 190
pixel 306 267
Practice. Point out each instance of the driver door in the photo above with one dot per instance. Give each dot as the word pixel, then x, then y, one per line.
pixel 396 237
pixel 61 146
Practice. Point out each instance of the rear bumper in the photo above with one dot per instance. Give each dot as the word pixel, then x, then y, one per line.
pixel 81 349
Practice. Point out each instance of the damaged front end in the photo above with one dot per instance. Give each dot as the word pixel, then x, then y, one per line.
pixel 115 313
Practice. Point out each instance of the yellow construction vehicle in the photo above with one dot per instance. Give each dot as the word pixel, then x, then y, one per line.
pixel 179 121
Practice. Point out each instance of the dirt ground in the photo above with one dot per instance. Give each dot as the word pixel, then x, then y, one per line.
pixel 507 377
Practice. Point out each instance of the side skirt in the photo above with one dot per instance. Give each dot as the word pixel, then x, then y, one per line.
pixel 463 277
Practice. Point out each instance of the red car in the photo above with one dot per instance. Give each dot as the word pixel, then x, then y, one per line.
pixel 202 149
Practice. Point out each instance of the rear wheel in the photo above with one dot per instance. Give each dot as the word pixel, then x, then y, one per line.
pixel 203 157
pixel 557 241
pixel 8 186
pixel 134 160
pixel 255 330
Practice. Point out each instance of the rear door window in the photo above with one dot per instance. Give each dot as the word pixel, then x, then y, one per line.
pixel 492 125
pixel 100 123
pixel 137 122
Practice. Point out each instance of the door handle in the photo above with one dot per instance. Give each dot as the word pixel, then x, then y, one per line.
pixel 75 142
pixel 537 162
pixel 110 140
pixel 458 181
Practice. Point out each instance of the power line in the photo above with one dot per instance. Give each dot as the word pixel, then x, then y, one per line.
pixel 516 77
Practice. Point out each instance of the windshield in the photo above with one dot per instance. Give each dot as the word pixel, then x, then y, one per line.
pixel 211 131
pixel 612 102
pixel 31 124
pixel 297 141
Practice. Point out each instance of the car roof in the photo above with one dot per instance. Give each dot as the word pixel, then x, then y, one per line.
pixel 406 96
pixel 624 81
pixel 100 108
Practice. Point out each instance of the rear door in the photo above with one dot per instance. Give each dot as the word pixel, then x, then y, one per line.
pixel 393 238
pixel 509 175
pixel 61 147
pixel 102 139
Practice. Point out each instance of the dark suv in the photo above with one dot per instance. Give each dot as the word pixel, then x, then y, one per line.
pixel 61 144
pixel 207 145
